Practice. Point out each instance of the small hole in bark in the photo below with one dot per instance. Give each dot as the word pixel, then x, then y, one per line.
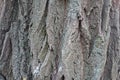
pixel 72 78
pixel 85 10
pixel 63 77
pixel 39 61
pixel 31 24
pixel 51 77
pixel 118 70
pixel 51 49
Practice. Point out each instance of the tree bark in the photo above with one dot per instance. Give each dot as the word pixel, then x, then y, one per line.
pixel 59 39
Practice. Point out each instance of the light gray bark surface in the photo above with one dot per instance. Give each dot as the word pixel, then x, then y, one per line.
pixel 60 39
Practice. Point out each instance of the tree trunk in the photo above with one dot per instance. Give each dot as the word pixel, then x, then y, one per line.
pixel 59 39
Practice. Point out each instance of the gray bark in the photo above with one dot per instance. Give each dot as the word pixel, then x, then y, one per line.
pixel 59 39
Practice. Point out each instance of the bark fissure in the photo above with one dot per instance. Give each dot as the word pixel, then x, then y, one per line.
pixel 59 39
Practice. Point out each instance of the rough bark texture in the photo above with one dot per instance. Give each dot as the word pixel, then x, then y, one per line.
pixel 59 39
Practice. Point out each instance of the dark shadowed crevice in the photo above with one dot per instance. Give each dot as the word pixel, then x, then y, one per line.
pixel 72 78
pixel 26 71
pixel 15 11
pixel 63 77
pixel 2 77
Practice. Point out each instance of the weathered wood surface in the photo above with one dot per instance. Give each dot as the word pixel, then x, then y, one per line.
pixel 60 39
